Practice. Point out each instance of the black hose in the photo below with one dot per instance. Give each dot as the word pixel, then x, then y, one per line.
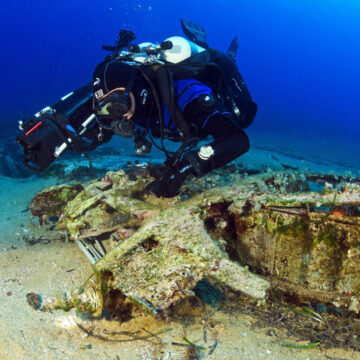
pixel 161 118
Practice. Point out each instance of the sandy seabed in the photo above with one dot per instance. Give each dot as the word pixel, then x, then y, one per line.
pixel 51 268
pixel 26 334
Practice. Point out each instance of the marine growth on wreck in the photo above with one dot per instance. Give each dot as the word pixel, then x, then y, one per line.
pixel 291 235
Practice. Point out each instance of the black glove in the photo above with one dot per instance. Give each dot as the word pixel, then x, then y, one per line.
pixel 142 145
pixel 169 183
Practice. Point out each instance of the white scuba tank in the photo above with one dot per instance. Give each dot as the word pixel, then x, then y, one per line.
pixel 181 49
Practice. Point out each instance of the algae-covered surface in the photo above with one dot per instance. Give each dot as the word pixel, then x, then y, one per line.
pixel 239 265
pixel 259 235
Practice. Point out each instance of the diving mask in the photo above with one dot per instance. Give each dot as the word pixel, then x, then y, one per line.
pixel 119 107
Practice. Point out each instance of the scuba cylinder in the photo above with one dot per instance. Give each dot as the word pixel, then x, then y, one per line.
pixel 181 49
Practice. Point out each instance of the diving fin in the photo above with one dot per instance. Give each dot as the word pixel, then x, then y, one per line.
pixel 233 48
pixel 196 33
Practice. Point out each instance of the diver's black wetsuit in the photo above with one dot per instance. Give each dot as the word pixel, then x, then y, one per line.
pixel 229 140
pixel 211 119
pixel 205 111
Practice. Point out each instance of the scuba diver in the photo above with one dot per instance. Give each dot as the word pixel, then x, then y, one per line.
pixel 179 90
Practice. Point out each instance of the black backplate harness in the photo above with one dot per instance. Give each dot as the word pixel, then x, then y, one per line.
pixel 166 89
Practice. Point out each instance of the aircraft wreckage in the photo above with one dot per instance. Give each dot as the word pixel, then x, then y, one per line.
pixel 292 234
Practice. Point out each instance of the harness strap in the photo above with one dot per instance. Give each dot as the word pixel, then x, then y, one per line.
pixel 165 81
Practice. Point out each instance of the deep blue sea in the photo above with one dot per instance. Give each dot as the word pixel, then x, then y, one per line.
pixel 301 62
pixel 300 58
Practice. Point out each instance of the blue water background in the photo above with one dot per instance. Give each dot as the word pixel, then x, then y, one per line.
pixel 300 58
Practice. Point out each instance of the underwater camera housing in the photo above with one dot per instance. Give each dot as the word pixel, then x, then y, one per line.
pixel 69 124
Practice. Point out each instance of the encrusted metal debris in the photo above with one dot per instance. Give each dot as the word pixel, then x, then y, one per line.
pixel 290 234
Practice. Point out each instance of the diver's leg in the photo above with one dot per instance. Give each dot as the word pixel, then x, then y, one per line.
pixel 234 91
pixel 233 49
pixel 232 76
pixel 196 33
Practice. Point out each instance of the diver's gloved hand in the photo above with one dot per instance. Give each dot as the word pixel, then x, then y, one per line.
pixel 168 185
pixel 142 145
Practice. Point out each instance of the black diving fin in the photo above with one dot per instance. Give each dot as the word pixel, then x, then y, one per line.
pixel 196 33
pixel 233 48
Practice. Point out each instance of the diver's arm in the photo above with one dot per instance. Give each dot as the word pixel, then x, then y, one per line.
pixel 213 119
pixel 142 145
pixel 229 143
